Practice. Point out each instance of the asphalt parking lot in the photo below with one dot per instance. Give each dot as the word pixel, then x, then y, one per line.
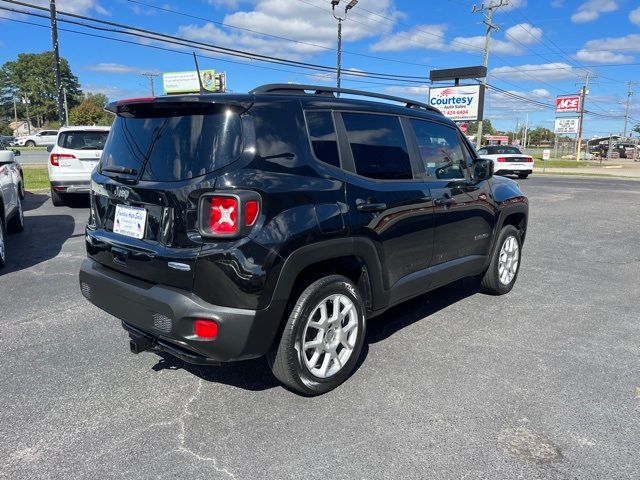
pixel 541 383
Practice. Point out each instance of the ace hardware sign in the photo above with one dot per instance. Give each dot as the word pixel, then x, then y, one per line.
pixel 568 103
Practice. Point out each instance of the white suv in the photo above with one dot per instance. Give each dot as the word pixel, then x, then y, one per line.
pixel 43 138
pixel 75 154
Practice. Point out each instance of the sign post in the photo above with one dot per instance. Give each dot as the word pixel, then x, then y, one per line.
pixel 546 155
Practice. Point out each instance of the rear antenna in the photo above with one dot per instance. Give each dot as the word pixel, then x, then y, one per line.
pixel 195 59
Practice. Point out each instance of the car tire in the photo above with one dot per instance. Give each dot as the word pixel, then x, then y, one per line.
pixel 16 224
pixel 503 270
pixel 57 198
pixel 522 176
pixel 29 143
pixel 21 191
pixel 319 348
pixel 3 249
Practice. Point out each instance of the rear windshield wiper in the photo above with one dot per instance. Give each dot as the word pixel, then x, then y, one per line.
pixel 119 169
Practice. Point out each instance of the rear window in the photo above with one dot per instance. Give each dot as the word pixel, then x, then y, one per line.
pixel 503 149
pixel 83 140
pixel 173 145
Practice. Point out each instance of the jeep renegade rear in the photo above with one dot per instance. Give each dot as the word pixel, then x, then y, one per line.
pixel 228 227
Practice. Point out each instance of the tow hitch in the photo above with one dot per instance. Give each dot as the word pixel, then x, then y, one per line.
pixel 140 344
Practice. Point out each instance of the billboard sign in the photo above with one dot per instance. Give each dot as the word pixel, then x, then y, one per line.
pixel 566 125
pixel 187 82
pixel 568 103
pixel 463 103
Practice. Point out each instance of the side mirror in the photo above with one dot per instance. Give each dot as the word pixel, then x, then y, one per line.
pixel 49 148
pixel 16 152
pixel 482 169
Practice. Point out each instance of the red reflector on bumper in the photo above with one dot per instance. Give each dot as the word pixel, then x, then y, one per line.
pixel 206 328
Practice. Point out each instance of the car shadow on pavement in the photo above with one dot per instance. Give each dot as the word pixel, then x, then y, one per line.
pixel 33 200
pixel 41 240
pixel 255 375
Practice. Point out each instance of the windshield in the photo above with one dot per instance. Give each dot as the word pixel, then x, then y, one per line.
pixel 83 140
pixel 172 147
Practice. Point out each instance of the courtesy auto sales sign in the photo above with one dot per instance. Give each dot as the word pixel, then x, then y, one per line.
pixel 463 103
pixel 568 103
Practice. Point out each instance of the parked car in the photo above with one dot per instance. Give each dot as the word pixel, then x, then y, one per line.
pixel 625 150
pixel 507 160
pixel 277 223
pixel 16 153
pixel 43 138
pixel 11 195
pixel 72 159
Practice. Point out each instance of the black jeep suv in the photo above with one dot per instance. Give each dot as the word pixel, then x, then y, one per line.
pixel 225 227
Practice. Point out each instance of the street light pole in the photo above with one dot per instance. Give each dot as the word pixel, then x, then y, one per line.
pixel 56 56
pixel 350 5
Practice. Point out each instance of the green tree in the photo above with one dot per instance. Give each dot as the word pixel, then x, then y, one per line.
pixel 540 135
pixel 32 75
pixel 487 128
pixel 91 111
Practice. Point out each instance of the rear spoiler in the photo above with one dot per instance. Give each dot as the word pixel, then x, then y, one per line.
pixel 240 102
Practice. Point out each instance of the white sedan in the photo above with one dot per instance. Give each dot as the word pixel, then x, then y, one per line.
pixel 507 160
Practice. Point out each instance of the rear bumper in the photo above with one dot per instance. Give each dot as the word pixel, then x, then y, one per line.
pixel 163 317
pixel 71 186
pixel 514 169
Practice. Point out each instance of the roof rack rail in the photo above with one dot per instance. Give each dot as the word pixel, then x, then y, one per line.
pixel 294 88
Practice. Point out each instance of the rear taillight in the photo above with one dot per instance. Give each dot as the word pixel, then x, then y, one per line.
pixel 251 210
pixel 206 329
pixel 228 215
pixel 54 158
pixel 501 159
pixel 528 159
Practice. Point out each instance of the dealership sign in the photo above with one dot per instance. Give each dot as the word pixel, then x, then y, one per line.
pixel 568 103
pixel 566 125
pixel 458 103
pixel 187 82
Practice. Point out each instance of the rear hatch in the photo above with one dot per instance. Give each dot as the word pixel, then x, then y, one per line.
pixel 80 150
pixel 159 158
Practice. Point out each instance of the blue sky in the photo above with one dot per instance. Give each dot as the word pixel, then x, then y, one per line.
pixel 543 48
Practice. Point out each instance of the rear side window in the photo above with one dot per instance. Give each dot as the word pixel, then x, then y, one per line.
pixel 440 150
pixel 173 145
pixel 378 146
pixel 79 140
pixel 322 134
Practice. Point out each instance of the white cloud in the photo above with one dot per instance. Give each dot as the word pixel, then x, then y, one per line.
pixel 524 33
pixel 113 93
pixel 75 6
pixel 602 56
pixel 629 42
pixel 499 101
pixel 634 16
pixel 476 44
pixel 592 9
pixel 420 36
pixel 512 5
pixel 557 3
pixel 540 72
pixel 419 91
pixel 117 68
pixel 300 21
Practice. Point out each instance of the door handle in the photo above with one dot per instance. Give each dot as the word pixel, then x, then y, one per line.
pixel 444 201
pixel 366 207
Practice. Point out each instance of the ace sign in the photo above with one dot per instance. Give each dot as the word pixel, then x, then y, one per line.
pixel 568 103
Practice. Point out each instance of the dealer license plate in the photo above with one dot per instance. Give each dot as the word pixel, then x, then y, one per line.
pixel 130 221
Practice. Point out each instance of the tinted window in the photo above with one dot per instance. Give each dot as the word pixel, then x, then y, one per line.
pixel 79 140
pixel 378 146
pixel 440 150
pixel 322 134
pixel 172 145
pixel 506 149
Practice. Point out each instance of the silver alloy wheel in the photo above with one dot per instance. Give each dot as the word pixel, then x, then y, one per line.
pixel 330 335
pixel 509 259
pixel 2 251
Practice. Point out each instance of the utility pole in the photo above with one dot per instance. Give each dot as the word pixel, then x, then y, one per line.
pixel 66 108
pixel 350 5
pixel 488 13
pixel 56 57
pixel 15 113
pixel 626 113
pixel 583 93
pixel 151 77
